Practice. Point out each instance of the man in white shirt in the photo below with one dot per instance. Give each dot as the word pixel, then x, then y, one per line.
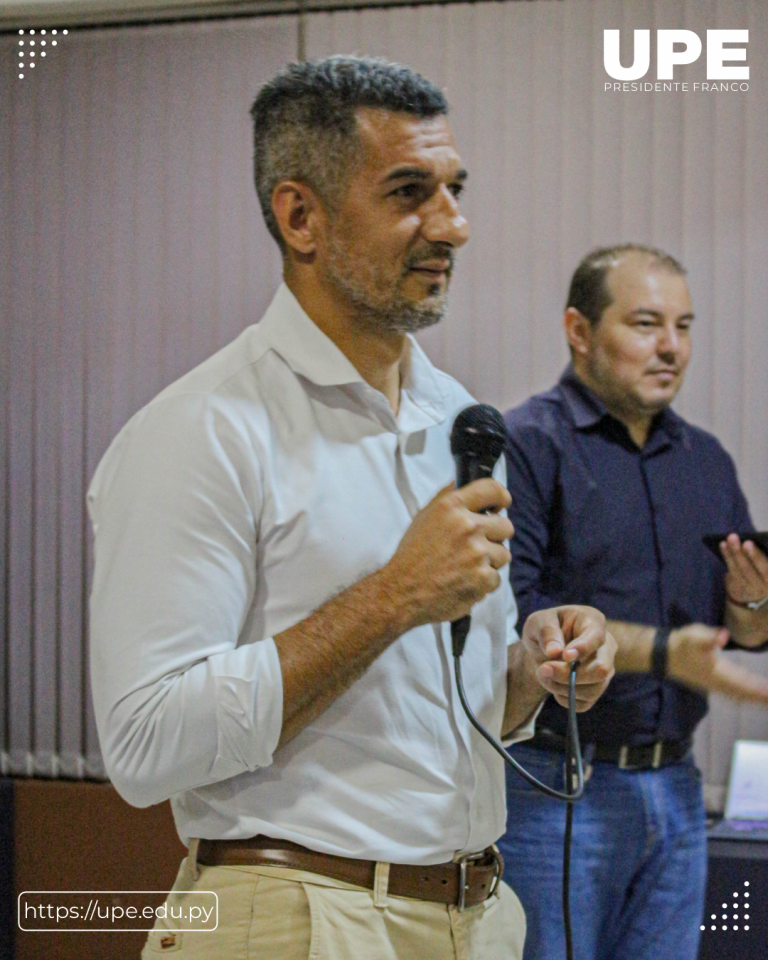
pixel 280 551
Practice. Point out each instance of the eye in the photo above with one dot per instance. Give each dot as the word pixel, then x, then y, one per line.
pixel 456 189
pixel 407 191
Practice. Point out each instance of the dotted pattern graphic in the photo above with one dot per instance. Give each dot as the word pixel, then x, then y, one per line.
pixel 35 44
pixel 738 916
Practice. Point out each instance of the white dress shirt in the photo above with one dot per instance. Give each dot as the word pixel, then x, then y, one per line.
pixel 245 495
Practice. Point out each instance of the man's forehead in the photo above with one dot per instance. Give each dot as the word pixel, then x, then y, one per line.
pixel 391 138
pixel 638 276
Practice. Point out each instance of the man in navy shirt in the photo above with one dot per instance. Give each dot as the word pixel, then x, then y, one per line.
pixel 612 494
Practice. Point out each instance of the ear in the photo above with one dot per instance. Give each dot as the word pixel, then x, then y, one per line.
pixel 578 331
pixel 299 215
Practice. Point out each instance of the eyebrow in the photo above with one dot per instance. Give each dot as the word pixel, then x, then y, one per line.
pixel 417 173
pixel 657 314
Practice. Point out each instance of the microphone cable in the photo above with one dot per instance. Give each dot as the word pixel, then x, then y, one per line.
pixel 478 437
pixel 574 764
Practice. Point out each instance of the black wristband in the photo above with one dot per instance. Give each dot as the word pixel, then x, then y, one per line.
pixel 659 653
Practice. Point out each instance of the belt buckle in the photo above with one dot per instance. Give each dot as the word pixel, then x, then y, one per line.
pixel 656 758
pixel 462 862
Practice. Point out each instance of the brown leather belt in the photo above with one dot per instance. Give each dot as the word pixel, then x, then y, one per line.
pixel 466 882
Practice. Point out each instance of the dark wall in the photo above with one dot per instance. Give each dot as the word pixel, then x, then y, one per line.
pixel 83 836
pixel 7 913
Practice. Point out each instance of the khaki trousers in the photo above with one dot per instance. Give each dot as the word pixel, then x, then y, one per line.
pixel 273 913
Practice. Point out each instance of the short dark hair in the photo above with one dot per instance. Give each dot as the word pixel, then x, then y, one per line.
pixel 589 293
pixel 305 128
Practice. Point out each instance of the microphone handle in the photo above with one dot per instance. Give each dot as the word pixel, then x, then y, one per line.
pixel 459 633
pixel 467 470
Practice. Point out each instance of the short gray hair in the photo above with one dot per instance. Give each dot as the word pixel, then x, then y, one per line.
pixel 304 122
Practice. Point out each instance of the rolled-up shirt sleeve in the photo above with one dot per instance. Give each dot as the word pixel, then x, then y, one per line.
pixel 526 729
pixel 184 693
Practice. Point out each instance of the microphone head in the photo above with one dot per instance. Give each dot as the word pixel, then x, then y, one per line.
pixel 478 432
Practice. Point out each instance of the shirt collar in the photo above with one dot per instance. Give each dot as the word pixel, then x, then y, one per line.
pixel 302 344
pixel 587 409
pixel 290 331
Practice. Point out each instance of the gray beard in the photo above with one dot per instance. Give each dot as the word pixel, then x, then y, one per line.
pixel 401 316
pixel 394 314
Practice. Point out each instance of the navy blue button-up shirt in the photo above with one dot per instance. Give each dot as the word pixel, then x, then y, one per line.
pixel 600 521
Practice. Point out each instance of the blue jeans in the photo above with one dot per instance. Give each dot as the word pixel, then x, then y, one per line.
pixel 638 861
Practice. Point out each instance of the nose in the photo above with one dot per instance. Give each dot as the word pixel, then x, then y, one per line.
pixel 669 340
pixel 443 221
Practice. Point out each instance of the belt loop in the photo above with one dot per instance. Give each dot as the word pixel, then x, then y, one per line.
pixel 194 843
pixel 499 870
pixel 462 884
pixel 380 884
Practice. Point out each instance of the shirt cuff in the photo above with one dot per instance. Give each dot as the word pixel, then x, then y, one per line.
pixel 526 730
pixel 249 708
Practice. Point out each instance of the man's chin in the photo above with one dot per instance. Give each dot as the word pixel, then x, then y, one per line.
pixel 420 316
pixel 405 316
pixel 656 402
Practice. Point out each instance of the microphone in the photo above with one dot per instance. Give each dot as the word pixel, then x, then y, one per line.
pixel 478 437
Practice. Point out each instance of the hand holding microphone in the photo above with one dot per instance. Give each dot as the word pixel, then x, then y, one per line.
pixel 449 558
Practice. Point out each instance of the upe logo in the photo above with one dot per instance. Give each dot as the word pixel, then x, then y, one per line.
pixel 667 57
